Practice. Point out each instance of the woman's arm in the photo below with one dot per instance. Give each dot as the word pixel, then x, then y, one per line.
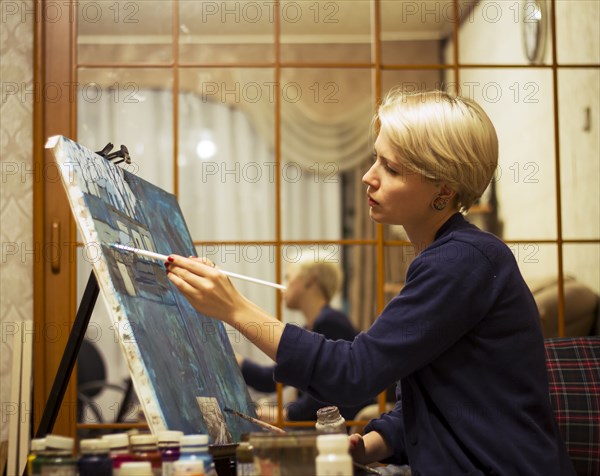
pixel 213 294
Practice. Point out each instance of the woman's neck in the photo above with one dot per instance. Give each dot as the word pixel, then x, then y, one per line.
pixel 423 234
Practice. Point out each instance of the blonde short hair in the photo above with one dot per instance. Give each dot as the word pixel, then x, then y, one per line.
pixel 325 271
pixel 444 138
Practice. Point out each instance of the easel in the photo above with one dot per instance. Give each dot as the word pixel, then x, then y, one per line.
pixel 82 319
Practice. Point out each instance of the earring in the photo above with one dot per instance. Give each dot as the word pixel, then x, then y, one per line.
pixel 439 203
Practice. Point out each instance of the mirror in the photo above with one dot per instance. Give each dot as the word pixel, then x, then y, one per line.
pixel 231 99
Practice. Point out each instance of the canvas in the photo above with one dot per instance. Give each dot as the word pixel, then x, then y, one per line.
pixel 178 358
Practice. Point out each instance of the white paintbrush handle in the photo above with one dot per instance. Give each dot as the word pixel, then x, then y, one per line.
pixel 158 256
pixel 252 280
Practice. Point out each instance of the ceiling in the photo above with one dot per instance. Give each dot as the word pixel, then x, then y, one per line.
pixel 242 22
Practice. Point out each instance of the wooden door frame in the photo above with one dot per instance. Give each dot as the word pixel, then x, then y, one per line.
pixel 53 226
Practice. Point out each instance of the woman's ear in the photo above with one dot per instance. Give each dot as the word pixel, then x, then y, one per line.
pixel 446 192
pixel 442 198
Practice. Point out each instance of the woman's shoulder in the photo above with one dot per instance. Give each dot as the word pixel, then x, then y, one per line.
pixel 469 243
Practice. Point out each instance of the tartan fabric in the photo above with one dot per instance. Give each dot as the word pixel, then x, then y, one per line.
pixel 573 366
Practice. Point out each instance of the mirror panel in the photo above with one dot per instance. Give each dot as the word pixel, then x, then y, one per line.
pixel 256 261
pixel 449 82
pixel 579 120
pixel 128 106
pixel 538 263
pixel 581 288
pixel 577 30
pixel 325 134
pixel 360 268
pixel 414 32
pixel 505 33
pixel 412 80
pixel 326 31
pixel 294 255
pixel 357 294
pixel 102 398
pixel 226 161
pixel 520 104
pixel 582 262
pixel 226 32
pixel 110 32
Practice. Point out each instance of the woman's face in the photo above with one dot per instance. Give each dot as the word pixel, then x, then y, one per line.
pixel 396 195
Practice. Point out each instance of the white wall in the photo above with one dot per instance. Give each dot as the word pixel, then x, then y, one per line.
pixel 16 189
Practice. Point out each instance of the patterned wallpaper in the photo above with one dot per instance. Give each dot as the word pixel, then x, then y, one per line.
pixel 16 183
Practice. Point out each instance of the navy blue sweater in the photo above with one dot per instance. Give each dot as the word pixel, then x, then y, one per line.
pixel 332 324
pixel 464 343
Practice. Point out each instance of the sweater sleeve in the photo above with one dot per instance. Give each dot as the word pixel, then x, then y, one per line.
pixel 441 301
pixel 259 377
pixel 390 426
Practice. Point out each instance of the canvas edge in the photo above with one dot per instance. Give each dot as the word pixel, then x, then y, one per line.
pixel 139 374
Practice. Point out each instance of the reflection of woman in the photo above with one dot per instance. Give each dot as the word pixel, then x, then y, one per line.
pixel 462 338
pixel 312 283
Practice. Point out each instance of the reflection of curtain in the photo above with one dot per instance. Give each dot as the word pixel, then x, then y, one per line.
pixel 362 275
pixel 231 195
pixel 311 140
pixel 226 183
pixel 141 122
pixel 225 173
pixel 344 141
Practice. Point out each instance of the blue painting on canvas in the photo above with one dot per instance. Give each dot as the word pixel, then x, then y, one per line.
pixel 182 363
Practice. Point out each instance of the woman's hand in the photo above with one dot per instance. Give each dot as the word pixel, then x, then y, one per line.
pixel 212 293
pixel 369 448
pixel 207 289
pixel 357 448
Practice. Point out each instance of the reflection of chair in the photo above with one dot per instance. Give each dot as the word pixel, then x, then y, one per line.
pixel 582 307
pixel 573 366
pixel 91 381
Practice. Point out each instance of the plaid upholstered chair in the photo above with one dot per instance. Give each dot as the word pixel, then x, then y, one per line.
pixel 573 366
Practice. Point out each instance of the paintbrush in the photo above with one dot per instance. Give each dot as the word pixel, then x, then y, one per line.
pixel 276 429
pixel 366 468
pixel 158 256
pixel 256 421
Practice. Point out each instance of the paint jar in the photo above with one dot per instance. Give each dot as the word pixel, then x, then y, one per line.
pixel 118 447
pixel 57 459
pixel 329 420
pixel 136 468
pixel 168 447
pixel 292 453
pixel 145 448
pixel 94 459
pixel 245 460
pixel 334 458
pixel 188 468
pixel 196 447
pixel 38 445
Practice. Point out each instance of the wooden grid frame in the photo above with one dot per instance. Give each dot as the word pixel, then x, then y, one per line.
pixel 53 222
